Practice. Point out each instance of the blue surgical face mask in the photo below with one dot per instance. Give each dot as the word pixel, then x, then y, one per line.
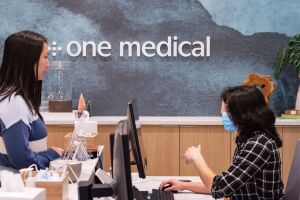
pixel 228 124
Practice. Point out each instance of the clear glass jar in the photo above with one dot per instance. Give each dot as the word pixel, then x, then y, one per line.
pixel 59 93
pixel 60 80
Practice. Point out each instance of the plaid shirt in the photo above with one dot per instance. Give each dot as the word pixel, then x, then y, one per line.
pixel 254 172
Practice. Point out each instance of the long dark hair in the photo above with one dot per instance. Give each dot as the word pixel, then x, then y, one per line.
pixel 19 68
pixel 247 108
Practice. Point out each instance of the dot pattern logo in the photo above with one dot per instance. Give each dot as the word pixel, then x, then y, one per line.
pixel 54 49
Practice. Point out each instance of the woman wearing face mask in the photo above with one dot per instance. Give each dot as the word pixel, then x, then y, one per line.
pixel 255 170
pixel 23 136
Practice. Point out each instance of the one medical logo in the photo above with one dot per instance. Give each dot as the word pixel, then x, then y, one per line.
pixel 54 49
pixel 171 47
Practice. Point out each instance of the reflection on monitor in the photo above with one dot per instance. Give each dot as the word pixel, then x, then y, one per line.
pixel 136 140
pixel 121 163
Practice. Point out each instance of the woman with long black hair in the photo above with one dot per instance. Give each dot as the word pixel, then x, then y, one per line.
pixel 255 170
pixel 23 134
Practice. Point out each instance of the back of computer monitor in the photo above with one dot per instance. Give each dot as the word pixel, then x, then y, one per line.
pixel 136 140
pixel 121 163
pixel 292 191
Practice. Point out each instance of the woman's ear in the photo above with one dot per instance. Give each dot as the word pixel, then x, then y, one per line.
pixel 223 107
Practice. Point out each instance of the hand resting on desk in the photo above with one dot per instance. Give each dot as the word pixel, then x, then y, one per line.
pixel 175 185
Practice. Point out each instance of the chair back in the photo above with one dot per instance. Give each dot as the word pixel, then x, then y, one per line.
pixel 292 191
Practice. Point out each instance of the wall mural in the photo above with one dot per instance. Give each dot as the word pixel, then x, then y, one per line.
pixel 243 37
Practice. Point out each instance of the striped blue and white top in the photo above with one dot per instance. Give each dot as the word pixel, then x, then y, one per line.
pixel 23 136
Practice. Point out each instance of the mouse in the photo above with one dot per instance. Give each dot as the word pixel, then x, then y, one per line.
pixel 167 186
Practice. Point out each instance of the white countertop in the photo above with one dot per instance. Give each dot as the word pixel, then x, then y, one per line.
pixel 68 118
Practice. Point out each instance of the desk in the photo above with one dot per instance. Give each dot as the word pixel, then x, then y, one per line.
pixel 152 182
pixel 88 169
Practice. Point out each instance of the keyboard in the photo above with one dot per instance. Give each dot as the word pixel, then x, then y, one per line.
pixel 155 195
pixel 161 195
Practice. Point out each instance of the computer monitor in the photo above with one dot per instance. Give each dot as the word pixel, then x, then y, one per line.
pixel 121 163
pixel 121 187
pixel 135 138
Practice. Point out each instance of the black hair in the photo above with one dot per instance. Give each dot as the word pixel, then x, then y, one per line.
pixel 247 108
pixel 19 68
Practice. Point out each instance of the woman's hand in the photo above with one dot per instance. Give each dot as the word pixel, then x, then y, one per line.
pixel 175 185
pixel 192 154
pixel 58 150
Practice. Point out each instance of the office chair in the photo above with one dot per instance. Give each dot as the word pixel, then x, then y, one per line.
pixel 292 191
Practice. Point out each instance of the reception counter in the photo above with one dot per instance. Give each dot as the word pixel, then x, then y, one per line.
pixel 68 118
pixel 166 138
